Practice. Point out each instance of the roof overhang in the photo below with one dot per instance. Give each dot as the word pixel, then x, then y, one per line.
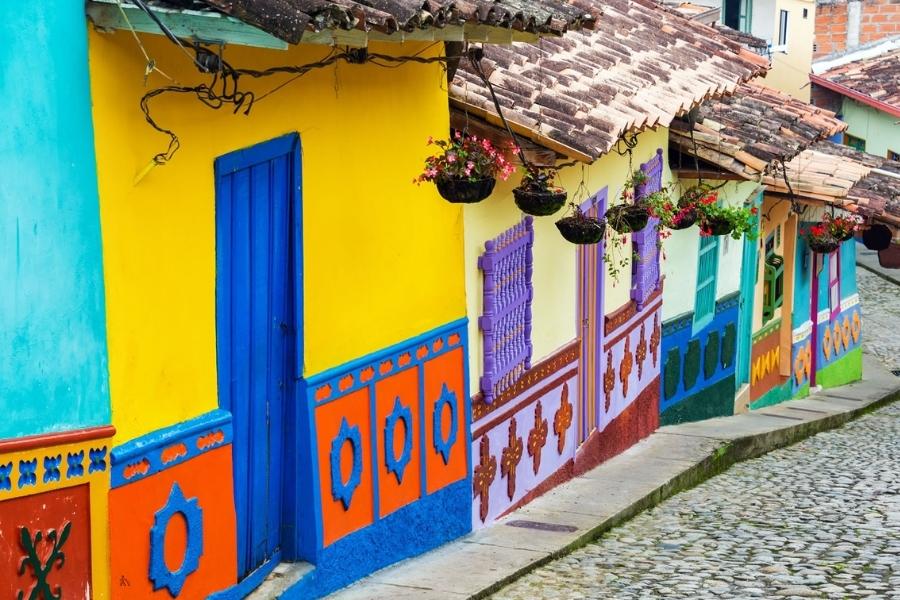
pixel 851 93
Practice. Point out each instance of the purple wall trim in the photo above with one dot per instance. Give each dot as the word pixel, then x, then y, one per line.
pixel 507 265
pixel 645 269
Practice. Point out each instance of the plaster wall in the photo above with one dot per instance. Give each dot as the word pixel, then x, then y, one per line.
pixel 555 277
pixel 53 375
pixel 881 131
pixel 381 255
pixel 679 263
pixel 791 67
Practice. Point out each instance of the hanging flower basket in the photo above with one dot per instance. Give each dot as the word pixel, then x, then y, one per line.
pixel 537 195
pixel 684 218
pixel 465 169
pixel 581 229
pixel 627 218
pixel 465 190
pixel 842 228
pixel 877 237
pixel 825 244
pixel 714 225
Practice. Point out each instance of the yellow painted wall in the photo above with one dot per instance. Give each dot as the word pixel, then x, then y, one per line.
pixel 381 255
pixel 774 212
pixel 790 70
pixel 555 280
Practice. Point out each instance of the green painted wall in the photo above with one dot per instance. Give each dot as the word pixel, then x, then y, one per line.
pixel 841 372
pixel 880 130
pixel 716 400
pixel 776 395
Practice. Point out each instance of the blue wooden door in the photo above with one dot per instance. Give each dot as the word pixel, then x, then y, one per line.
pixel 745 315
pixel 256 193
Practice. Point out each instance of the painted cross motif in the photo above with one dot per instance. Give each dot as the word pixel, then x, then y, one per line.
pixel 654 338
pixel 537 437
pixel 562 419
pixel 40 565
pixel 483 477
pixel 510 459
pixel 625 367
pixel 641 352
pixel 609 380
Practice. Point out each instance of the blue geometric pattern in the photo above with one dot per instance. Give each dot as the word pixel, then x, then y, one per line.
pixel 75 468
pixel 51 468
pixel 442 445
pixel 98 459
pixel 160 574
pixel 343 490
pixel 397 465
pixel 27 472
pixel 6 476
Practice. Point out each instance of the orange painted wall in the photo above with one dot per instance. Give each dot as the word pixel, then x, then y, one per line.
pixel 132 508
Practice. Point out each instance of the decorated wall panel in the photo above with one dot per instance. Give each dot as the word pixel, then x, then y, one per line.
pixel 523 442
pixel 767 385
pixel 53 515
pixel 171 512
pixel 390 458
pixel 698 366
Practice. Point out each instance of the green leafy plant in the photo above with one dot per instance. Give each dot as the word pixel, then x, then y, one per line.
pixel 717 219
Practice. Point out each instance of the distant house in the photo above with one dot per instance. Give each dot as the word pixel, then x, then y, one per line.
pixel 863 87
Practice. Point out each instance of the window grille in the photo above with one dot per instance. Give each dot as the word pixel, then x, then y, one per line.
pixel 645 266
pixel 506 323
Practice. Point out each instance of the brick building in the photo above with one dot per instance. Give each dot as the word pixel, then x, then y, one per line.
pixel 843 25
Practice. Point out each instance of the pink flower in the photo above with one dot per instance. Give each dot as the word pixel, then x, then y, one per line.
pixel 451 157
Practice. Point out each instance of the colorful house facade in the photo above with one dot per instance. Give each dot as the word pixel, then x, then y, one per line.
pixel 256 342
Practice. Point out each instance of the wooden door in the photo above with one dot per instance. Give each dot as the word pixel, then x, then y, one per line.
pixel 749 274
pixel 256 193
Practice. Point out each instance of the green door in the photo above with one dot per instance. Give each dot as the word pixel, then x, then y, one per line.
pixel 745 316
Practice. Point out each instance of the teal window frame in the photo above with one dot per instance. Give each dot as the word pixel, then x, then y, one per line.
pixel 707 279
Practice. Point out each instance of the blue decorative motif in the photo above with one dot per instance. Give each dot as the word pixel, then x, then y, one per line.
pixel 51 468
pixel 27 472
pixel 340 489
pixel 443 445
pixel 98 459
pixel 160 574
pixel 6 476
pixel 397 464
pixel 76 466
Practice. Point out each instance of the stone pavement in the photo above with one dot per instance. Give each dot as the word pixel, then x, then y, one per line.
pixel 818 519
pixel 674 459
pixel 880 303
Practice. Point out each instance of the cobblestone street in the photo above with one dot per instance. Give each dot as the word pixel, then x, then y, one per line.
pixel 820 519
pixel 880 301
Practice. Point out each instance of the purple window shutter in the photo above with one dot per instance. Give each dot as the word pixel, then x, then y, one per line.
pixel 645 268
pixel 507 265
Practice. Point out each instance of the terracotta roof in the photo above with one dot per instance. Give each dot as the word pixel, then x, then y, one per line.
pixel 753 131
pixel 747 40
pixel 747 132
pixel 642 66
pixel 874 80
pixel 289 20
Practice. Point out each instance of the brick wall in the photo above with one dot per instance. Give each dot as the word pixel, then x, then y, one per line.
pixel 878 19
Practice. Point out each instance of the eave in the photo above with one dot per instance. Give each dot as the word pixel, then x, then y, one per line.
pixel 858 96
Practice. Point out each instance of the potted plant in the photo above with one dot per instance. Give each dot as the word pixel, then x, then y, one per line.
pixel 716 219
pixel 686 213
pixel 842 228
pixel 630 215
pixel 579 228
pixel 820 239
pixel 466 168
pixel 877 237
pixel 538 195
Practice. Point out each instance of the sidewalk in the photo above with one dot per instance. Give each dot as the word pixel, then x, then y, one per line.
pixel 670 460
pixel 868 260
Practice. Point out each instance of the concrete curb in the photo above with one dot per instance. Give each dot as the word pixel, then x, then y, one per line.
pixel 868 260
pixel 673 459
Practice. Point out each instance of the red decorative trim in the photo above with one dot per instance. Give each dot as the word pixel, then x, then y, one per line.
pixel 622 332
pixel 530 378
pixel 44 440
pixel 851 93
pixel 624 313
pixel 561 380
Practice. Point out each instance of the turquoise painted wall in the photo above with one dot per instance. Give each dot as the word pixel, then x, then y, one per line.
pixel 53 362
pixel 880 130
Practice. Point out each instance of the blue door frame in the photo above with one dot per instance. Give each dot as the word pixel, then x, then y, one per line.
pixel 748 291
pixel 259 329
